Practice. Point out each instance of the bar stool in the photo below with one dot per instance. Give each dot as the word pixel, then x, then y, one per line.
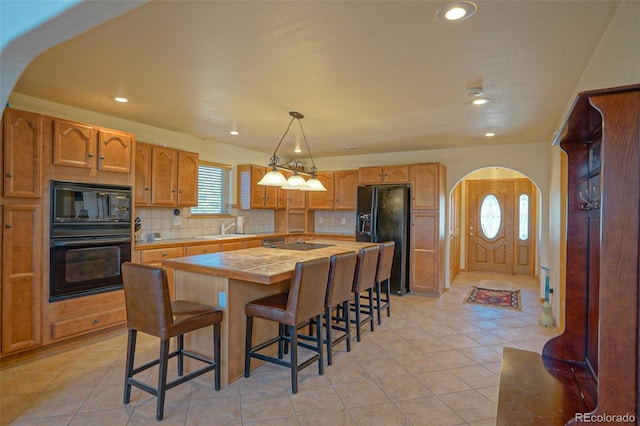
pixel 364 280
pixel 292 309
pixel 383 275
pixel 150 310
pixel 341 273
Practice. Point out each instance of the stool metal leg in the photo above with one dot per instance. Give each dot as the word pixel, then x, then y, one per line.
pixel 293 333
pixel 180 354
pixel 131 350
pixel 162 377
pixel 247 346
pixel 216 354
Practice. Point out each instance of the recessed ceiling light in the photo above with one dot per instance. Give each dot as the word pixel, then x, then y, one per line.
pixel 456 11
pixel 481 101
pixel 234 132
pixel 489 134
pixel 297 150
pixel 121 99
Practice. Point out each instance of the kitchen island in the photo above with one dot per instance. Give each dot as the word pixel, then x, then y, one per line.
pixel 231 279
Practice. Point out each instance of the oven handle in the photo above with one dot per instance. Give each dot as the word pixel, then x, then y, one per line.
pixel 87 241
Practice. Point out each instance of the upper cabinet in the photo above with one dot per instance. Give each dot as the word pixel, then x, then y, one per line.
pixel 346 189
pixel 165 176
pixel 291 199
pixel 22 154
pixel 384 174
pixel 323 200
pixel 142 189
pixel 250 194
pixel 89 147
pixel 427 182
pixel 341 191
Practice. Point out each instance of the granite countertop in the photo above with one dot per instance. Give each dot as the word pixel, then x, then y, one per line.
pixel 263 265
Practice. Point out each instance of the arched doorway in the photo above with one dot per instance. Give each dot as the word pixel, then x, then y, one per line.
pixel 494 223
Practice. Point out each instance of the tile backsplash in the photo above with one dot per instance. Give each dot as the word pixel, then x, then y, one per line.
pixel 161 220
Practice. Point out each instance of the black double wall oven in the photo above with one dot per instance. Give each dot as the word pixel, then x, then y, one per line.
pixel 90 238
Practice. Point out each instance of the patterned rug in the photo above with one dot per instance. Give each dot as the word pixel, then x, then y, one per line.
pixel 509 299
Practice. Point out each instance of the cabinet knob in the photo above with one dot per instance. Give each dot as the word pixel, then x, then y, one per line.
pixel 90 155
pixel 102 157
pixel 164 254
pixel 146 188
pixel 8 226
pixel 95 321
pixel 173 190
pixel 180 192
pixel 9 174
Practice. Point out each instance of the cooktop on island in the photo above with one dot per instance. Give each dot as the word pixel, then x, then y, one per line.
pixel 301 246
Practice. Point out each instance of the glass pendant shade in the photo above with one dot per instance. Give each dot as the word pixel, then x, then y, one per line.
pixel 296 181
pixel 273 178
pixel 314 185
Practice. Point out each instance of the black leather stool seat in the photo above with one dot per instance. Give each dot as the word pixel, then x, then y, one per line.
pixel 151 311
pixel 290 310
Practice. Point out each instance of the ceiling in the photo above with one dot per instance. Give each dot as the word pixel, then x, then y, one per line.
pixel 370 77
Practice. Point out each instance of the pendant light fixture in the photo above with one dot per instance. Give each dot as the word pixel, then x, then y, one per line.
pixel 276 178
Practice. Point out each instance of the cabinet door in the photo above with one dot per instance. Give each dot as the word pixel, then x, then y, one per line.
pixel 424 253
pixel 143 174
pixel 164 171
pixel 187 178
pixel 370 175
pixel 202 249
pixel 114 151
pixel 396 174
pixel 22 154
pixel 425 186
pixel 73 145
pixel 323 200
pixel 21 277
pixel 262 197
pixel 346 189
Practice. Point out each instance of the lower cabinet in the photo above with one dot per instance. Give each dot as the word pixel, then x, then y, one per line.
pixel 156 256
pixel 427 254
pixel 21 278
pixel 83 315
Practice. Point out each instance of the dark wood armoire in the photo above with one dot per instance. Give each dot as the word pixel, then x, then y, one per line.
pixel 590 372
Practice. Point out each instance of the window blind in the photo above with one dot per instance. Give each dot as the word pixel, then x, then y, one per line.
pixel 214 189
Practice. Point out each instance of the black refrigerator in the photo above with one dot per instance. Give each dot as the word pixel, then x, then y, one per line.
pixel 383 215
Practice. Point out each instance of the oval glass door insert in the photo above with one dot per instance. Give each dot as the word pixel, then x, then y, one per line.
pixel 490 216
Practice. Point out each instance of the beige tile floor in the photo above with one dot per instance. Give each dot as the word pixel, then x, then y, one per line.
pixel 433 362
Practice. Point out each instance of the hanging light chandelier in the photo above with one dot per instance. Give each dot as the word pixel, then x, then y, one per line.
pixel 276 178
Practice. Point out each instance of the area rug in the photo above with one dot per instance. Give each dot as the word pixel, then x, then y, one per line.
pixel 508 299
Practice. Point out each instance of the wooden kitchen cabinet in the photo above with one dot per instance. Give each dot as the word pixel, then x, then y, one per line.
pixel 164 176
pixel 323 200
pixel 427 186
pixel 425 254
pixel 341 191
pixel 187 178
pixel 21 277
pixel 22 137
pixel 383 174
pixel 250 194
pixel 89 147
pixel 174 176
pixel 290 198
pixel 346 189
pixel 142 187
pixel 202 249
pixel 155 257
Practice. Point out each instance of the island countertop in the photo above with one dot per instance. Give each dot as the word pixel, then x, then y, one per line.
pixel 263 265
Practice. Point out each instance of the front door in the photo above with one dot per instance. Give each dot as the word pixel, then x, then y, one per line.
pixel 500 226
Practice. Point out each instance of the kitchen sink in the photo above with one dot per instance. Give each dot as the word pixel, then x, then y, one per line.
pixel 224 236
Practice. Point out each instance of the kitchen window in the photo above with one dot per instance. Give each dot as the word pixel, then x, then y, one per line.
pixel 214 189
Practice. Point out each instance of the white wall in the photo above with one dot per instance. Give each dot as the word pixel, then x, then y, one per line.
pixel 615 62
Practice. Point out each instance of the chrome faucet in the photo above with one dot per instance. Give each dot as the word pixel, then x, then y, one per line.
pixel 225 227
